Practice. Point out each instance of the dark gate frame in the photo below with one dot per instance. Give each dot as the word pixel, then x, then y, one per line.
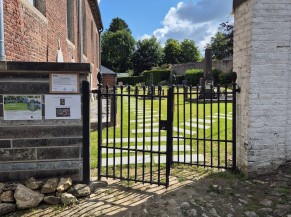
pixel 203 98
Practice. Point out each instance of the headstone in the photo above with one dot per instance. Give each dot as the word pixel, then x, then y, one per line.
pixel 151 84
pixel 207 81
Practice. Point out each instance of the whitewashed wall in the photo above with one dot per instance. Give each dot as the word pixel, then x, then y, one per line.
pixel 262 59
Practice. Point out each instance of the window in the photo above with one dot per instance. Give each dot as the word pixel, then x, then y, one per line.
pixel 40 5
pixel 97 50
pixel 32 2
pixel 70 20
pixel 92 43
pixel 84 28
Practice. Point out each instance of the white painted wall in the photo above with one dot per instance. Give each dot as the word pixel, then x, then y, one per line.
pixel 262 59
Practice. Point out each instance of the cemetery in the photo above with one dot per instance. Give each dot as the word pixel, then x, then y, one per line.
pixel 171 150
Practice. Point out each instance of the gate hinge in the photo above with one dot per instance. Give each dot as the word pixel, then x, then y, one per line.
pixel 238 89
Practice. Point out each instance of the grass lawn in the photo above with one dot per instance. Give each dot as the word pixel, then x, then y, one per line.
pixel 191 123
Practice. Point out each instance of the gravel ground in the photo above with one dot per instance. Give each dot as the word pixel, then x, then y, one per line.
pixel 192 192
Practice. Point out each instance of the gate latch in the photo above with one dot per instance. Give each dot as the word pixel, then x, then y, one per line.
pixel 163 125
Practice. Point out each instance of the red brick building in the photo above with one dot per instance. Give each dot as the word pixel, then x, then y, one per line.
pixel 53 31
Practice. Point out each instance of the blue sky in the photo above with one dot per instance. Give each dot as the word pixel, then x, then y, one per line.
pixel 193 19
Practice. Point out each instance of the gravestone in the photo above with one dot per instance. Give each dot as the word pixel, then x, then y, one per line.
pixel 150 85
pixel 207 82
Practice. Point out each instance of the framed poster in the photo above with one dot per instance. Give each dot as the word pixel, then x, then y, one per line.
pixel 64 83
pixel 62 106
pixel 22 107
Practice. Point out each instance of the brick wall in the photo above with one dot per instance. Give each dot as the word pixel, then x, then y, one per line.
pixel 32 33
pixel 262 59
pixel 109 80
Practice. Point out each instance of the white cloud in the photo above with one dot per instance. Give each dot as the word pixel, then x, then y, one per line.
pixel 99 1
pixel 197 21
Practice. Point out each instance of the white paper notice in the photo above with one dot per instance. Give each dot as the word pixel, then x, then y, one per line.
pixel 64 83
pixel 22 107
pixel 62 106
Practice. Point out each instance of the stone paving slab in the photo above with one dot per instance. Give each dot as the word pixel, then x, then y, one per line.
pixel 147 139
pixel 118 151
pixel 148 116
pixel 181 130
pixel 181 158
pixel 149 124
pixel 221 117
pixel 139 120
pixel 125 160
pixel 147 159
pixel 207 121
pixel 147 130
pixel 164 148
pixel 194 125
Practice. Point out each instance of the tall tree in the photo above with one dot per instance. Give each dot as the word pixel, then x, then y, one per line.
pixel 172 52
pixel 116 49
pixel 190 52
pixel 222 42
pixel 148 53
pixel 118 24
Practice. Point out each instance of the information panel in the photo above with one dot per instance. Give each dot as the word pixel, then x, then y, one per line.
pixel 64 83
pixel 62 106
pixel 22 107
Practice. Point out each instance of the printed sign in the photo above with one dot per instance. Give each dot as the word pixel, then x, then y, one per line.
pixel 22 107
pixel 62 107
pixel 64 83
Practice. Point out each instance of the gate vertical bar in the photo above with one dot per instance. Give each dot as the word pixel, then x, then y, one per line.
pixel 99 125
pixel 234 125
pixel 86 131
pixel 170 105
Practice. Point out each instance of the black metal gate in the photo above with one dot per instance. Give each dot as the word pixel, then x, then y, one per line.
pixel 142 131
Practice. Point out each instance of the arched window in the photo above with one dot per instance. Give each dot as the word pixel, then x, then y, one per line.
pixel 84 24
pixel 70 20
pixel 92 43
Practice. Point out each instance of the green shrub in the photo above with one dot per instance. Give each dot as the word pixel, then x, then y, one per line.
pixel 130 80
pixel 193 76
pixel 215 75
pixel 164 82
pixel 158 75
pixel 226 78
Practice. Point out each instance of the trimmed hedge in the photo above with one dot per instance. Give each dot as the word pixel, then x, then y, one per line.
pixel 130 80
pixel 158 75
pixel 193 76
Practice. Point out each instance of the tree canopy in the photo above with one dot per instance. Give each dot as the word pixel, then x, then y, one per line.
pixel 148 54
pixel 116 48
pixel 118 24
pixel 172 51
pixel 190 52
pixel 222 42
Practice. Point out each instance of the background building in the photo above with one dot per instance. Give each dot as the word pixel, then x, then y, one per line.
pixel 53 31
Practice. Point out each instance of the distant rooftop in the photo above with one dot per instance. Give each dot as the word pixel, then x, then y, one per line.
pixel 107 71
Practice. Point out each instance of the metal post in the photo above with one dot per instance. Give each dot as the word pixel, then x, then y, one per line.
pixel 86 131
pixel 234 125
pixel 99 92
pixel 170 107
